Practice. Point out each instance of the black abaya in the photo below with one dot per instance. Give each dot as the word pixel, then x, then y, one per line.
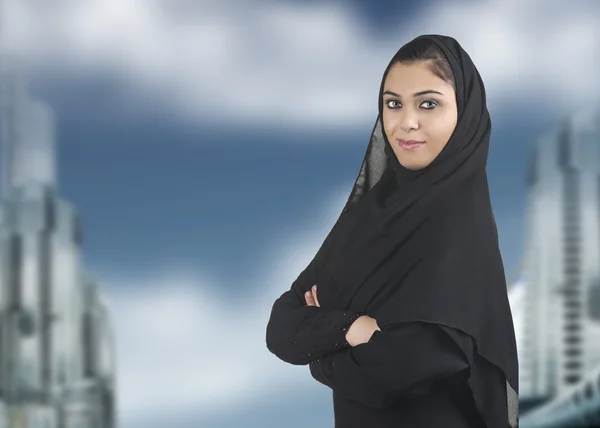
pixel 402 390
pixel 418 251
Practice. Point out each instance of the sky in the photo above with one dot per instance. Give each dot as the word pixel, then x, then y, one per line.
pixel 210 146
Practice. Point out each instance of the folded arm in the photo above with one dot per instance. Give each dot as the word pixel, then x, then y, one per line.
pixel 298 334
pixel 400 361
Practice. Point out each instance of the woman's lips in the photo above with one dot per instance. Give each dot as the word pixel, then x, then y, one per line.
pixel 410 144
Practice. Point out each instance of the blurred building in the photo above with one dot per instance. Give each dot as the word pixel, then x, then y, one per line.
pixel 559 305
pixel 56 343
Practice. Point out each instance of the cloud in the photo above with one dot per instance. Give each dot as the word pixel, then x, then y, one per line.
pixel 180 348
pixel 292 64
pixel 184 347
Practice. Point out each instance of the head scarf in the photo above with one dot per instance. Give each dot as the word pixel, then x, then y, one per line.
pixel 422 245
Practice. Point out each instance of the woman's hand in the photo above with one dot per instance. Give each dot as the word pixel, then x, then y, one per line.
pixel 361 329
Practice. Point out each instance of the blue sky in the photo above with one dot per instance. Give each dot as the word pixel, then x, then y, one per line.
pixel 210 149
pixel 147 176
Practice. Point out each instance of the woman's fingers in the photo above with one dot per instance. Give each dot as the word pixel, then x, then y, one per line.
pixel 314 293
pixel 311 297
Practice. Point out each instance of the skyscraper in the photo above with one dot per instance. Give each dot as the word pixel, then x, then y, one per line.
pixel 559 347
pixel 56 342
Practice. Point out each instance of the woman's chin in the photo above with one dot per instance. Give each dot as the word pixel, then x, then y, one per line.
pixel 413 164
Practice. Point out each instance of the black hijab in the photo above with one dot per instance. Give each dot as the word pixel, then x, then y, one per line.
pixel 422 245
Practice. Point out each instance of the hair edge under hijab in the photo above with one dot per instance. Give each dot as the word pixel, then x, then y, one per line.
pixel 427 51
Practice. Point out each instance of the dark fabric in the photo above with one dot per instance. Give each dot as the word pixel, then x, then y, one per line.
pixel 430 393
pixel 299 334
pixel 422 246
pixel 447 404
pixel 403 389
pixel 361 376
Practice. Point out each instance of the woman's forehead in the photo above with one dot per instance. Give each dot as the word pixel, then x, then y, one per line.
pixel 410 79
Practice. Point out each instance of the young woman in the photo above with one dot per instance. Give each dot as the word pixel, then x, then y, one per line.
pixel 404 310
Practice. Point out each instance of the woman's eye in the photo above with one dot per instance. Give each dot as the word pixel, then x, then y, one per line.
pixel 431 105
pixel 390 103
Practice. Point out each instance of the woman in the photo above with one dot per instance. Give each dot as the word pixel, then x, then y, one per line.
pixel 409 321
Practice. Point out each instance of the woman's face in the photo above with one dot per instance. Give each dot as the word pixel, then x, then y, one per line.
pixel 418 107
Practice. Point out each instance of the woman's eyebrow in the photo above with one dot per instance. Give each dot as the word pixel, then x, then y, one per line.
pixel 416 94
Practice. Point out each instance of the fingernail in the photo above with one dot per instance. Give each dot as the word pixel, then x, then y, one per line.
pixel 308 293
pixel 314 287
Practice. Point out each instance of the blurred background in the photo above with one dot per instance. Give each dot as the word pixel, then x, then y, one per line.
pixel 169 167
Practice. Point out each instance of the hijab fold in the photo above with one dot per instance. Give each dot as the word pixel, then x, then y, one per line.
pixel 422 245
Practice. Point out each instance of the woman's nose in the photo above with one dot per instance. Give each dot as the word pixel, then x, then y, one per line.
pixel 409 121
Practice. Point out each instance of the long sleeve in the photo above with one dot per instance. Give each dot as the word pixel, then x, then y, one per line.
pixel 298 333
pixel 401 361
